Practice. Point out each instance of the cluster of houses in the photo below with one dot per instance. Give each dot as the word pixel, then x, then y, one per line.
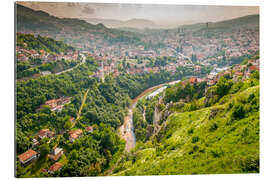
pixel 237 71
pixel 110 66
pixel 24 54
pixel 208 50
pixel 55 154
pixel 56 104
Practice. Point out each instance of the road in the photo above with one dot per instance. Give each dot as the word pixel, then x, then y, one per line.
pixel 70 69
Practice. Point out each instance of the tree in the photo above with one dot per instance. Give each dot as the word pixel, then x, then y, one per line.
pixel 67 124
pixel 238 111
pixel 44 149
pixel 223 86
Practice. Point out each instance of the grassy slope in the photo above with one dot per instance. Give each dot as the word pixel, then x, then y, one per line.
pixel 192 144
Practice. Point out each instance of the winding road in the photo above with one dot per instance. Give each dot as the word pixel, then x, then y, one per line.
pixel 70 69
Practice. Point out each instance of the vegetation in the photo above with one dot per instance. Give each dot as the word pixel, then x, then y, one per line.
pixel 29 41
pixel 104 108
pixel 35 64
pixel 220 137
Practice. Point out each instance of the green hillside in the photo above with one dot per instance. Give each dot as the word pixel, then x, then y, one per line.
pixel 29 41
pixel 222 138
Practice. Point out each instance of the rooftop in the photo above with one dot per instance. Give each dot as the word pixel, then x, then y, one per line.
pixel 28 154
pixel 56 166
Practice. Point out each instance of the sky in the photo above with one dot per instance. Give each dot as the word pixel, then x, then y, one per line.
pixel 160 14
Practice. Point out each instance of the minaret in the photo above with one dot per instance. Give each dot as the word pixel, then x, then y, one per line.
pixel 102 72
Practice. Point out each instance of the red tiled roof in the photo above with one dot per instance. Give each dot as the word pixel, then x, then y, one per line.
pixel 89 128
pixel 193 80
pixel 75 133
pixel 43 132
pixel 238 73
pixel 28 154
pixel 253 68
pixel 56 166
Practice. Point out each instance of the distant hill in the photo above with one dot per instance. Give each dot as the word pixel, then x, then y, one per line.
pixel 132 23
pixel 76 32
pixel 250 20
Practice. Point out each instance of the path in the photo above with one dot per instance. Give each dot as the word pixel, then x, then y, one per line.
pixel 80 110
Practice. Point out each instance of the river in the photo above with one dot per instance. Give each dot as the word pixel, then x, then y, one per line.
pixel 127 129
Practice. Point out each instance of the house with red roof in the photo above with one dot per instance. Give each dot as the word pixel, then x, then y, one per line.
pixel 253 68
pixel 57 104
pixel 74 134
pixel 55 167
pixel 89 129
pixel 45 133
pixel 28 156
pixel 193 80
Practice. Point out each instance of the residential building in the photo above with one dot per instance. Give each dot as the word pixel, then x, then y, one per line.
pixel 74 134
pixel 55 154
pixel 45 133
pixel 55 167
pixel 89 129
pixel 28 156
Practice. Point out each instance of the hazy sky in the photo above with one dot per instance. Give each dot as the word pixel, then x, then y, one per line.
pixel 160 14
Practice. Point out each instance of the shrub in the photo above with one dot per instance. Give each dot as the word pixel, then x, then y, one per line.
pixel 213 127
pixel 190 131
pixel 195 139
pixel 250 164
pixel 238 111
